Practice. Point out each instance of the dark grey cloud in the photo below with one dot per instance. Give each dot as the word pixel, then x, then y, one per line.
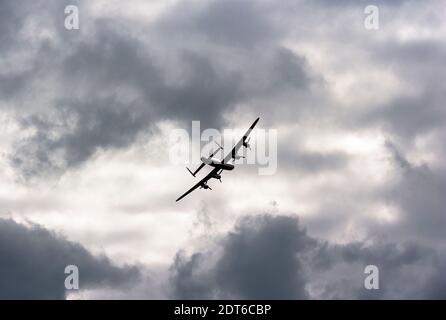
pixel 413 193
pixel 273 257
pixel 397 155
pixel 191 63
pixel 435 288
pixel 396 262
pixel 10 20
pixel 419 194
pixel 91 116
pixel 414 59
pixel 311 162
pixel 411 116
pixel 250 24
pixel 111 86
pixel 33 261
pixel 259 260
pixel 11 84
pixel 418 109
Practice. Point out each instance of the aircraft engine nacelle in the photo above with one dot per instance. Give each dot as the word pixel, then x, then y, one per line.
pixel 246 143
pixel 225 166
pixel 216 176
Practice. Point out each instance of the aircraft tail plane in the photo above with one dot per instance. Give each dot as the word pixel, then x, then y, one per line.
pixel 190 172
pixel 196 171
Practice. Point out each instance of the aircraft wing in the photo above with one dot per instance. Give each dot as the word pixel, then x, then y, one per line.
pixel 198 184
pixel 234 150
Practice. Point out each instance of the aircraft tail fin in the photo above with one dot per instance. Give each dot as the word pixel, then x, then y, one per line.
pixel 190 172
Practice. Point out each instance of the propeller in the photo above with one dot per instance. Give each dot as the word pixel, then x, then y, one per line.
pixel 205 186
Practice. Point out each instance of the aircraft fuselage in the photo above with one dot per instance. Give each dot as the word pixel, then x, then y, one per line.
pixel 213 162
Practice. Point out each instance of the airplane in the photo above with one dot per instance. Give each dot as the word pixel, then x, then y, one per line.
pixel 219 165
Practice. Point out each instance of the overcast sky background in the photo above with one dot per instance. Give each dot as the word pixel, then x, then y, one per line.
pixel 85 176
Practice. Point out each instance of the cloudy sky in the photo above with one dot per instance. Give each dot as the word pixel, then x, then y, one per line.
pixel 86 118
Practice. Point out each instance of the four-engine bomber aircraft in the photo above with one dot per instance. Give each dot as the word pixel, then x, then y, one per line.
pixel 219 165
